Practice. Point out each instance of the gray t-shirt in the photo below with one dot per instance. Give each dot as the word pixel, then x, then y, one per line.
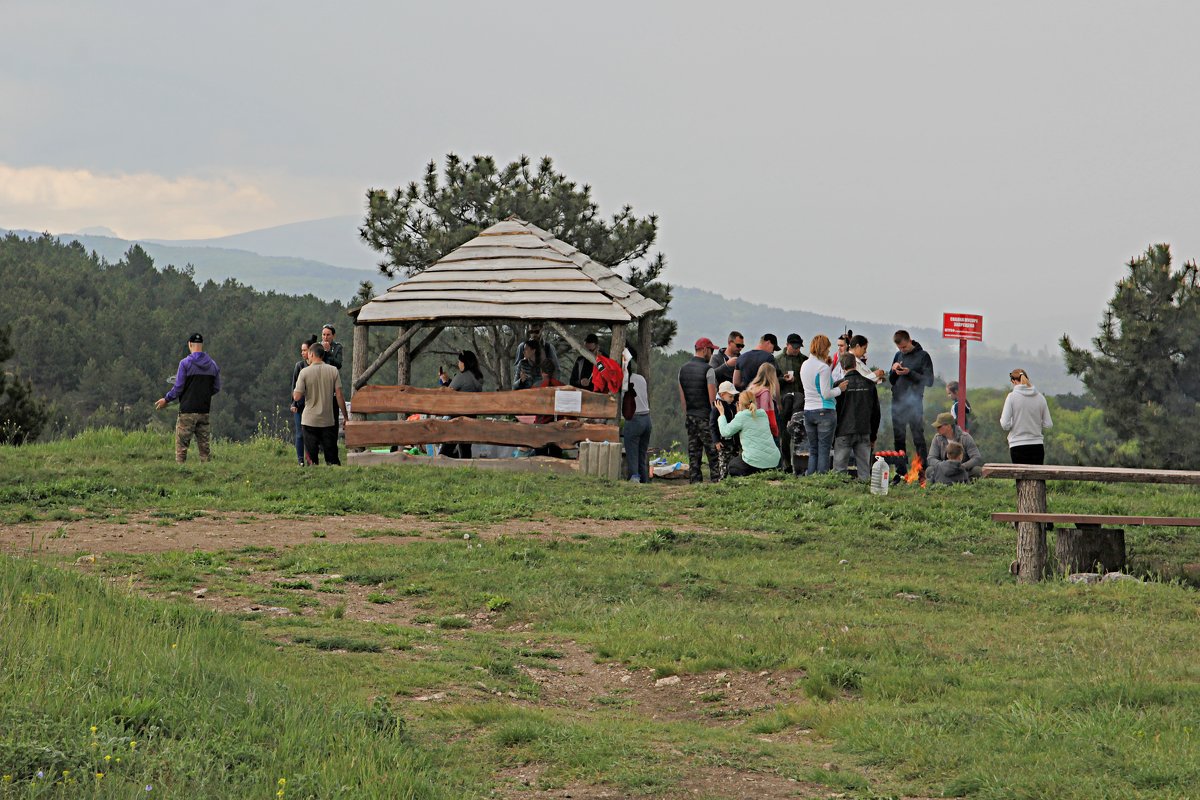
pixel 317 383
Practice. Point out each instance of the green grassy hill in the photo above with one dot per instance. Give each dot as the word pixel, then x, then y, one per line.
pixel 826 641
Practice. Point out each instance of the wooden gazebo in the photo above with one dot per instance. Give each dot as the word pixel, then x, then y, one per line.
pixel 512 273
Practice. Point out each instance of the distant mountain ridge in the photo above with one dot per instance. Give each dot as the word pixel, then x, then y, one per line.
pixel 697 311
pixel 331 240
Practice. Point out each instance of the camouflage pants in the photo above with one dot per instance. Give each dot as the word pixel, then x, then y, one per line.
pixel 700 444
pixel 729 449
pixel 185 427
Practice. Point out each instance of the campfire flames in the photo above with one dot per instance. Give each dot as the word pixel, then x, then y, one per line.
pixel 914 472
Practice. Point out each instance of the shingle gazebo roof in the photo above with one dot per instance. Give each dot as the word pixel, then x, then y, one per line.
pixel 512 270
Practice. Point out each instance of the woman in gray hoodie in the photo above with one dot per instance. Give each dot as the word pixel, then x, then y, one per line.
pixel 1025 415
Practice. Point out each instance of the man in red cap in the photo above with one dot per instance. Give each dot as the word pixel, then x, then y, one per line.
pixel 697 390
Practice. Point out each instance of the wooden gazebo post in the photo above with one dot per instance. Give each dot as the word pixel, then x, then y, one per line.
pixel 358 363
pixel 645 345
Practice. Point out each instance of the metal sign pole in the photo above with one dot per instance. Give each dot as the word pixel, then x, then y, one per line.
pixel 963 327
pixel 962 384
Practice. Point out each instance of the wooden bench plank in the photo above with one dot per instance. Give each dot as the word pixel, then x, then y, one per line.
pixel 444 402
pixel 564 433
pixel 1097 519
pixel 1054 472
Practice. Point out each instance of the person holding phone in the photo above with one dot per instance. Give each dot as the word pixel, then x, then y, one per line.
pixel 468 379
pixel 911 372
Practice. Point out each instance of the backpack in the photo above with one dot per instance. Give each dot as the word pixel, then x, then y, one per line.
pixel 629 402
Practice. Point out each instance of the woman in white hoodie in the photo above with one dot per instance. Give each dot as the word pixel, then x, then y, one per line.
pixel 1025 415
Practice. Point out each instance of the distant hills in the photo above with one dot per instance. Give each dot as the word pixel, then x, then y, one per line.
pixel 325 258
pixel 267 273
pixel 333 240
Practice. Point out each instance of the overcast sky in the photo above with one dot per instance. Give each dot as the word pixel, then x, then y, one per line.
pixel 884 160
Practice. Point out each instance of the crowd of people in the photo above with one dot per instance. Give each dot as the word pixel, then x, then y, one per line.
pixel 768 408
pixel 745 411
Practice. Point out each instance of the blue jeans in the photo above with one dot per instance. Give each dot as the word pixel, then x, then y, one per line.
pixel 818 427
pixel 636 436
pixel 299 438
pixel 857 448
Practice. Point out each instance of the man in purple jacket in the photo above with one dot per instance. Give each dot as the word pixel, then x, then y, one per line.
pixel 196 381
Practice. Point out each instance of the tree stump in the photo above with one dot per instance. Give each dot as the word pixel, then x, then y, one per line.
pixel 1081 549
pixel 1031 536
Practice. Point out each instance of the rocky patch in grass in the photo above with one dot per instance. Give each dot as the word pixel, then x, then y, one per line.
pixel 725 698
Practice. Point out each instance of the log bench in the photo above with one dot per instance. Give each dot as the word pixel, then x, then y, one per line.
pixel 1077 548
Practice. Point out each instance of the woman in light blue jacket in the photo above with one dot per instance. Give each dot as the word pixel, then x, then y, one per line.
pixel 820 410
pixel 750 425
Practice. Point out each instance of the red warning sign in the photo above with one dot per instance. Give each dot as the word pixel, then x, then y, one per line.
pixel 962 326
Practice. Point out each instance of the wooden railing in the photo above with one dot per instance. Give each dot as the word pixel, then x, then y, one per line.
pixel 445 402
pixel 564 433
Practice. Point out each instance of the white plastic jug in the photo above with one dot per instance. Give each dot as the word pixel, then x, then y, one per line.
pixel 881 476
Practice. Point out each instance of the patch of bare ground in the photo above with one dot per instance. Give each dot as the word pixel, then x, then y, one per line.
pixel 724 698
pixel 212 531
pixel 352 598
pixel 697 781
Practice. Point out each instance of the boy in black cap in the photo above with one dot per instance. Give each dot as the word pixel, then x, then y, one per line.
pixel 791 396
pixel 196 381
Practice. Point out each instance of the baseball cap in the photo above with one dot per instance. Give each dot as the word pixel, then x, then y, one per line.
pixel 794 340
pixel 726 387
pixel 704 343
pixel 944 418
pixel 770 337
pixel 196 338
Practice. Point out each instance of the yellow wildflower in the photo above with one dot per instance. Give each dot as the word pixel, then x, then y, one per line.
pixel 93 730
pixel 132 745
pixel 108 758
pixel 7 779
pixel 99 775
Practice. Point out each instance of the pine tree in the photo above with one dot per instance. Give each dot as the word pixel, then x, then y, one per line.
pixel 416 225
pixel 1145 372
pixel 22 416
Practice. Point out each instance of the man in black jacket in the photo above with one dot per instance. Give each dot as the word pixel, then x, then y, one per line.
pixel 911 372
pixel 581 373
pixel 196 381
pixel 857 421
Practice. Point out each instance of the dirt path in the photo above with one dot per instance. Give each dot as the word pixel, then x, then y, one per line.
pixel 575 681
pixel 212 530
